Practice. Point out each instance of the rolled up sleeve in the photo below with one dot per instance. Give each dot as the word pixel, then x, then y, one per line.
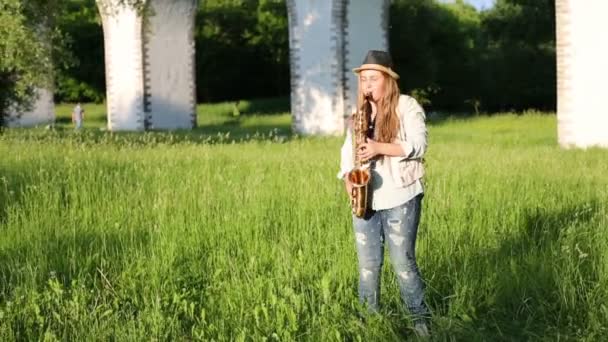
pixel 413 124
pixel 346 156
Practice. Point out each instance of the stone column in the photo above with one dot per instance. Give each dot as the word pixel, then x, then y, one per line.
pixel 365 28
pixel 582 71
pixel 41 113
pixel 317 65
pixel 122 29
pixel 169 64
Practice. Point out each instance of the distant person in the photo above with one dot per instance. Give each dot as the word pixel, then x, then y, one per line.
pixel 395 144
pixel 78 116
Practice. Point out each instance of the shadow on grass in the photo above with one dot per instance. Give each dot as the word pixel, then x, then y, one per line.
pixel 67 121
pixel 61 246
pixel 82 254
pixel 12 185
pixel 528 275
pixel 238 131
pixel 265 106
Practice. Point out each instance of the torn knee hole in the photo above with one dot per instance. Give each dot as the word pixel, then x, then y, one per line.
pixel 395 224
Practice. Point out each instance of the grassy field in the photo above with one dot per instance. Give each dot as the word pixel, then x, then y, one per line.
pixel 247 237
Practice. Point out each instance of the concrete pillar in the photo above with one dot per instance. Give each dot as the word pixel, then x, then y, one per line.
pixel 169 64
pixel 317 65
pixel 582 71
pixel 41 113
pixel 327 39
pixel 122 29
pixel 365 28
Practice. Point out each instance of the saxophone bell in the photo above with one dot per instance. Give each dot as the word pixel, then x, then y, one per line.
pixel 359 179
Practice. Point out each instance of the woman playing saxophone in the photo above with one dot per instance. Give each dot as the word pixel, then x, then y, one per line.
pixel 395 147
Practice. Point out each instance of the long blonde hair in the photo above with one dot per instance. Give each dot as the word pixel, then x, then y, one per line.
pixel 387 118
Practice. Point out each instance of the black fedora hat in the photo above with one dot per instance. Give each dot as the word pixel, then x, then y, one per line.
pixel 378 60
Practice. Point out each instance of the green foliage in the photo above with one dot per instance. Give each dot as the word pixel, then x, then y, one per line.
pixel 238 43
pixel 242 49
pixel 25 53
pixel 436 46
pixel 518 62
pixel 501 58
pixel 84 79
pixel 108 7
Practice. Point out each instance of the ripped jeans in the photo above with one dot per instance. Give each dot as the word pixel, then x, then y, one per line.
pixel 398 226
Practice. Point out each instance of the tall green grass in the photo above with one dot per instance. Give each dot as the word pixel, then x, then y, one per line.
pixel 187 236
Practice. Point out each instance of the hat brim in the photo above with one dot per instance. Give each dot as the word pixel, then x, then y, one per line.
pixel 376 67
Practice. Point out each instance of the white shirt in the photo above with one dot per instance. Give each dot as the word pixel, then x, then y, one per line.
pixel 388 188
pixel 77 113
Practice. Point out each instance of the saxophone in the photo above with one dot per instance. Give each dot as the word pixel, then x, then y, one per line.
pixel 360 175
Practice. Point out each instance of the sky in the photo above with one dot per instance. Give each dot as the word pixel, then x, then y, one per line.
pixel 479 4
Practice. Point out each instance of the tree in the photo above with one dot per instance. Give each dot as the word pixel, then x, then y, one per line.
pixel 242 49
pixel 26 48
pixel 435 47
pixel 519 55
pixel 84 79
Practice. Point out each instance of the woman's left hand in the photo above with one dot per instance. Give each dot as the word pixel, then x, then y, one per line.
pixel 369 149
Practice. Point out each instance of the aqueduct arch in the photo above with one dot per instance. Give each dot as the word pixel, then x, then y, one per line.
pixel 149 67
pixel 150 61
pixel 150 78
pixel 149 64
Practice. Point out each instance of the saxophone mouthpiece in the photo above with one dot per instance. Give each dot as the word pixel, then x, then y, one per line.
pixel 367 103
